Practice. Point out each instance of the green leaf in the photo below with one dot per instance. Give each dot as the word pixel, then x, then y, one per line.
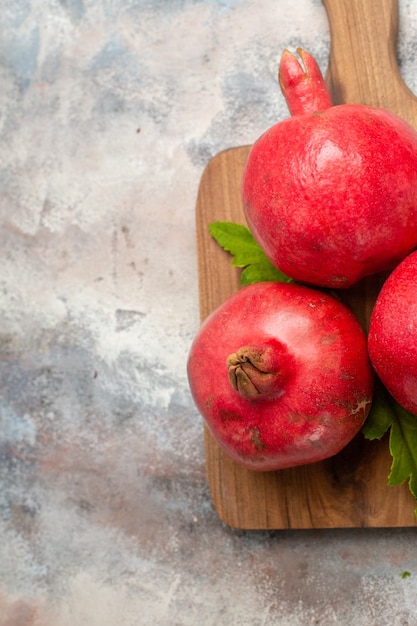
pixel 238 240
pixel 386 414
pixel 381 415
pixel 403 448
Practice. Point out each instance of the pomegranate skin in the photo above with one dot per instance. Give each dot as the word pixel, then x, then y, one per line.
pixel 331 195
pixel 392 337
pixel 320 390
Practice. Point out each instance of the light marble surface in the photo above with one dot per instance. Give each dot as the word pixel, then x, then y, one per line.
pixel 110 110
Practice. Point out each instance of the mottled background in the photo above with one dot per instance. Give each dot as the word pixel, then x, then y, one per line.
pixel 110 110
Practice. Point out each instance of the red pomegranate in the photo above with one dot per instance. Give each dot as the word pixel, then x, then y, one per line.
pixel 392 338
pixel 281 375
pixel 330 193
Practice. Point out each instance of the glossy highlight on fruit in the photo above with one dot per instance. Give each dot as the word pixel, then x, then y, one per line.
pixel 330 193
pixel 392 338
pixel 281 375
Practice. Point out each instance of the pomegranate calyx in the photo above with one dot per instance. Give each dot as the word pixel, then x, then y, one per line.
pixel 303 88
pixel 257 371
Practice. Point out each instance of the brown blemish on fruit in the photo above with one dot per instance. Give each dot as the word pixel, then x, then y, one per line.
pixel 227 415
pixel 255 438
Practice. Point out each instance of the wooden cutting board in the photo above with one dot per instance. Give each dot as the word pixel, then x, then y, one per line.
pixel 349 490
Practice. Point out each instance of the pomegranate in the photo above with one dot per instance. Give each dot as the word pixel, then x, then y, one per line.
pixel 392 334
pixel 330 193
pixel 280 373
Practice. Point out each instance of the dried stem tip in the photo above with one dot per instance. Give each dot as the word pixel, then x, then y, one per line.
pixel 257 371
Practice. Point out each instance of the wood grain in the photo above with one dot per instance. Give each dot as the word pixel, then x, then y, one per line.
pixel 349 490
pixel 363 64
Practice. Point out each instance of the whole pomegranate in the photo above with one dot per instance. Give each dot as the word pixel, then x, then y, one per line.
pixel 392 334
pixel 330 193
pixel 281 375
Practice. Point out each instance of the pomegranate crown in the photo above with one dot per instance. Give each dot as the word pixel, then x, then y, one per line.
pixel 302 84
